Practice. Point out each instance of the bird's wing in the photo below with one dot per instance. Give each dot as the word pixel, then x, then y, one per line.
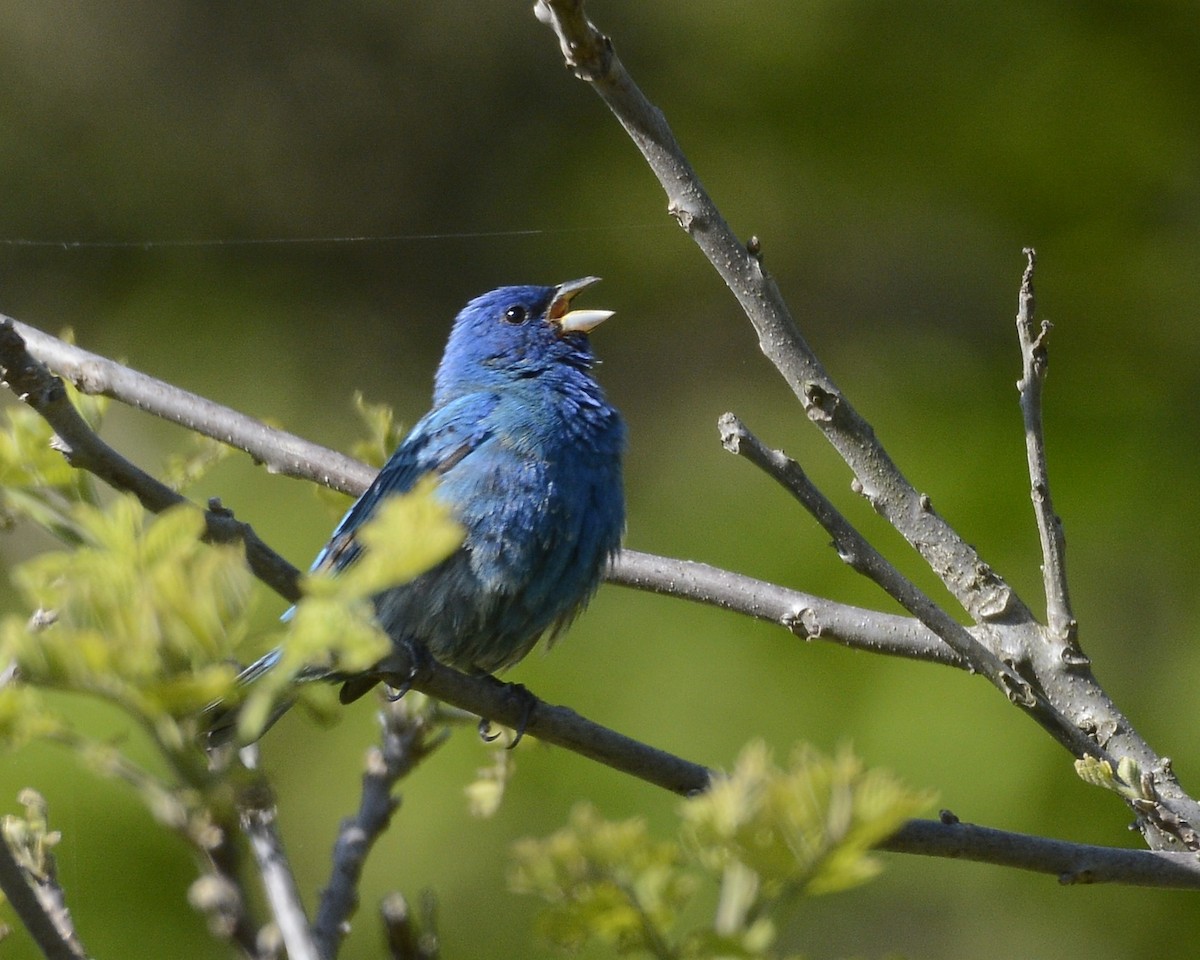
pixel 439 441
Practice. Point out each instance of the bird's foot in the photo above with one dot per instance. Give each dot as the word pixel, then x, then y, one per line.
pixel 528 703
pixel 419 660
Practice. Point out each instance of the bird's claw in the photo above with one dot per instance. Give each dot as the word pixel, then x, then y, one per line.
pixel 485 731
pixel 528 705
pixel 418 663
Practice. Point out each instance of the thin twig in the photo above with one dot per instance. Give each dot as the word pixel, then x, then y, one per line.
pixel 406 740
pixel 56 941
pixel 218 893
pixel 1059 617
pixel 258 821
pixel 856 551
pixel 407 939
pixel 221 897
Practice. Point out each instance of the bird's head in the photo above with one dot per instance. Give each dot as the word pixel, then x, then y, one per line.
pixel 515 333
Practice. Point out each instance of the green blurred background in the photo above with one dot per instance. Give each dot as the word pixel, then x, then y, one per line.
pixel 893 157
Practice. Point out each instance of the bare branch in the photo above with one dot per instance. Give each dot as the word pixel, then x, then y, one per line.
pixel 854 549
pixel 279 451
pixel 510 705
pixel 407 740
pixel 1093 723
pixel 259 824
pixel 975 585
pixel 1033 377
pixel 804 614
pixel 1071 862
pixel 43 913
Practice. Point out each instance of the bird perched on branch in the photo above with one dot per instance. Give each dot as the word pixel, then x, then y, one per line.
pixel 527 454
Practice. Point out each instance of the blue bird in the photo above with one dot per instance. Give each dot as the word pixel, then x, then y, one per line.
pixel 527 451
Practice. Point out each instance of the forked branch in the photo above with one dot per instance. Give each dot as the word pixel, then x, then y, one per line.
pixel 1069 701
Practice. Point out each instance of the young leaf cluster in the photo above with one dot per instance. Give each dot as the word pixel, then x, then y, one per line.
pixel 763 836
pixel 139 611
pixel 36 482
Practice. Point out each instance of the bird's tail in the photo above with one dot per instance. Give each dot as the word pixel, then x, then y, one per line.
pixel 222 717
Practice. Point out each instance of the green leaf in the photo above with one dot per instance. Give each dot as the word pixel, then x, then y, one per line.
pixel 808 828
pixel 183 470
pixel 144 613
pixel 24 716
pixel 383 432
pixel 604 881
pixel 1126 781
pixel 486 791
pixel 30 838
pixel 36 482
pixel 767 835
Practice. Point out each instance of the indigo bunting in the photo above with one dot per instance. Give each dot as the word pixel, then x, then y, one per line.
pixel 527 452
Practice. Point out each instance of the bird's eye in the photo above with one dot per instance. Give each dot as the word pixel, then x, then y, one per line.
pixel 516 314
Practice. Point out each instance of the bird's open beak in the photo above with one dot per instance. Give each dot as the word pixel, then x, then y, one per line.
pixel 574 321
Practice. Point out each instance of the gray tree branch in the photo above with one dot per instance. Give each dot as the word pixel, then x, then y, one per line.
pixel 279 451
pixel 804 614
pixel 1032 339
pixel 407 739
pixel 259 824
pixel 49 926
pixel 854 549
pixel 801 613
pixel 1072 863
pixel 590 54
pixel 1049 663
